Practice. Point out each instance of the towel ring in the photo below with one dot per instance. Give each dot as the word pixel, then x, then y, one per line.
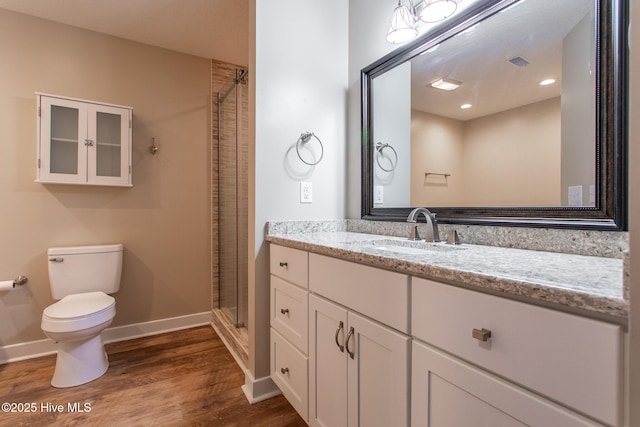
pixel 304 138
pixel 379 148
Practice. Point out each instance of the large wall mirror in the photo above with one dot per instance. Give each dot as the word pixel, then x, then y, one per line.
pixel 511 113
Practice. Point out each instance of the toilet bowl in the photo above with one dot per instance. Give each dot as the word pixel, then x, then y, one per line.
pixel 77 320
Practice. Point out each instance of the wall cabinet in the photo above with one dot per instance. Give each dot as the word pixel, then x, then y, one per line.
pixel 83 142
pixel 359 372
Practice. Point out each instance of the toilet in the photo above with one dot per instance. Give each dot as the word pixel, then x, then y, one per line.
pixel 81 277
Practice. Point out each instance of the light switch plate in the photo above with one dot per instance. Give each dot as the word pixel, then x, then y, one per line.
pixel 378 195
pixel 306 192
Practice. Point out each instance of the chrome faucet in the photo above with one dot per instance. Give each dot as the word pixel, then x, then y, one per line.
pixel 433 236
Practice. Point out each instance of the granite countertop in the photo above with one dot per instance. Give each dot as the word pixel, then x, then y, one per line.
pixel 587 285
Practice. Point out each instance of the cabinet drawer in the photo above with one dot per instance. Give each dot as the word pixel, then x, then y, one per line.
pixel 289 312
pixel 289 370
pixel 289 264
pixel 380 294
pixel 571 359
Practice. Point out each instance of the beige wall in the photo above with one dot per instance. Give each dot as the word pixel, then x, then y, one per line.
pixel 497 160
pixel 163 221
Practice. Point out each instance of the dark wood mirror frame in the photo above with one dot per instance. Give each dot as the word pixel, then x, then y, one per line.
pixel 610 212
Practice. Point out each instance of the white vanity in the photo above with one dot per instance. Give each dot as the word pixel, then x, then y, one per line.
pixel 364 335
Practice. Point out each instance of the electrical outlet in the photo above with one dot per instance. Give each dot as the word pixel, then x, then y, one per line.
pixel 306 192
pixel 378 195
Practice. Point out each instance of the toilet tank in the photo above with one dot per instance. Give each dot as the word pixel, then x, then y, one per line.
pixel 79 269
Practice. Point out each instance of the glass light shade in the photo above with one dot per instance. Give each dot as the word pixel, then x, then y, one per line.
pixel 437 10
pixel 402 27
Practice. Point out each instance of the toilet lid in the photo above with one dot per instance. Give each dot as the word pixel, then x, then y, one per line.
pixel 78 305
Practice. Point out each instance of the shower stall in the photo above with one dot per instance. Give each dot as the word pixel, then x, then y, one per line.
pixel 232 110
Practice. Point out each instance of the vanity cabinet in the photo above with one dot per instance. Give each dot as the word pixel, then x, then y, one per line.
pixel 504 357
pixel 359 369
pixel 83 142
pixel 289 327
pixel 359 365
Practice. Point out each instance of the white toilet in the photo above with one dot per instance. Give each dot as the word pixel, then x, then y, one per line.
pixel 81 277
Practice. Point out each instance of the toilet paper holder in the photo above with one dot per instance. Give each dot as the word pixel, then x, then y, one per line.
pixel 20 280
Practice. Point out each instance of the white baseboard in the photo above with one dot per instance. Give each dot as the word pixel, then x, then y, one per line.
pixel 32 349
pixel 260 389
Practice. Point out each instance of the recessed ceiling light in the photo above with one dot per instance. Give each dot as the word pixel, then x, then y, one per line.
pixel 465 106
pixel 547 82
pixel 446 84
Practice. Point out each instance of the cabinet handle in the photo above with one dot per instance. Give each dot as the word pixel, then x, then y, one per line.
pixel 88 142
pixel 481 334
pixel 283 264
pixel 349 335
pixel 284 310
pixel 340 327
pixel 284 370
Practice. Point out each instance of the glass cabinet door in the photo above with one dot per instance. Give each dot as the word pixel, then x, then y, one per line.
pixel 63 130
pixel 108 161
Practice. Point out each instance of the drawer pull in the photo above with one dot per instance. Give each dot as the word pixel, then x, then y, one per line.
pixel 349 335
pixel 284 310
pixel 284 370
pixel 481 334
pixel 283 264
pixel 340 327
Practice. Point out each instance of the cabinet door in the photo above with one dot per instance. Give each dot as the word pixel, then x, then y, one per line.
pixel 327 364
pixel 62 134
pixel 378 374
pixel 108 152
pixel 447 392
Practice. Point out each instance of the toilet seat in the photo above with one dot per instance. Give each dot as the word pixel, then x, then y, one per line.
pixel 79 311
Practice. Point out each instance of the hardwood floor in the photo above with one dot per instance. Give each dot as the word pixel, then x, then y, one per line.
pixel 183 378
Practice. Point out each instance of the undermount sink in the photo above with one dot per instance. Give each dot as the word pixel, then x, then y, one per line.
pixel 410 247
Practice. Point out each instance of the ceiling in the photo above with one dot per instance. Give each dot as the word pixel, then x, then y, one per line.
pixel 217 29
pixel 479 58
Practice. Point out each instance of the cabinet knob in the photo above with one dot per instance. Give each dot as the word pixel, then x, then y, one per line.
pixel 283 264
pixel 88 142
pixel 481 334
pixel 284 370
pixel 284 310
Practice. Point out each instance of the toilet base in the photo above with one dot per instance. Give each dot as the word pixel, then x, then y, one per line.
pixel 79 362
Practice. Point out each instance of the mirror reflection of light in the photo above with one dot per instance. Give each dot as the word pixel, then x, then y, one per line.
pixel 547 82
pixel 465 106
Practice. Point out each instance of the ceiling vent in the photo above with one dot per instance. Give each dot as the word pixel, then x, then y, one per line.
pixel 519 61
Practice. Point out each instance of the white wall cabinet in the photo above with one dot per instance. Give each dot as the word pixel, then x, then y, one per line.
pixel 359 369
pixel 83 142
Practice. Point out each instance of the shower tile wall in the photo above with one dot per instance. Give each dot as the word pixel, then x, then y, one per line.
pixel 221 74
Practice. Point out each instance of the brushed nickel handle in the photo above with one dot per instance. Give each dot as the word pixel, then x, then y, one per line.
pixel 481 334
pixel 340 327
pixel 349 335
pixel 284 370
pixel 57 259
pixel 284 310
pixel 284 264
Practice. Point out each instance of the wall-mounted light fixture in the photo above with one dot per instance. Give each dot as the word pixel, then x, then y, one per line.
pixel 407 19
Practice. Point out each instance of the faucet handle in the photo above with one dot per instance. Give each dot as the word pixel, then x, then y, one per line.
pixel 413 232
pixel 452 238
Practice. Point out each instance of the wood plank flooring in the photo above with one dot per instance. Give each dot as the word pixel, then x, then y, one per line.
pixel 183 378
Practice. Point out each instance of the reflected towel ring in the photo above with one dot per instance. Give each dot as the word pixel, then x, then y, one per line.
pixel 379 148
pixel 304 138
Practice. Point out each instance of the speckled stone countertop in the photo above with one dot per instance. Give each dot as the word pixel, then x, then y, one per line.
pixel 587 285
